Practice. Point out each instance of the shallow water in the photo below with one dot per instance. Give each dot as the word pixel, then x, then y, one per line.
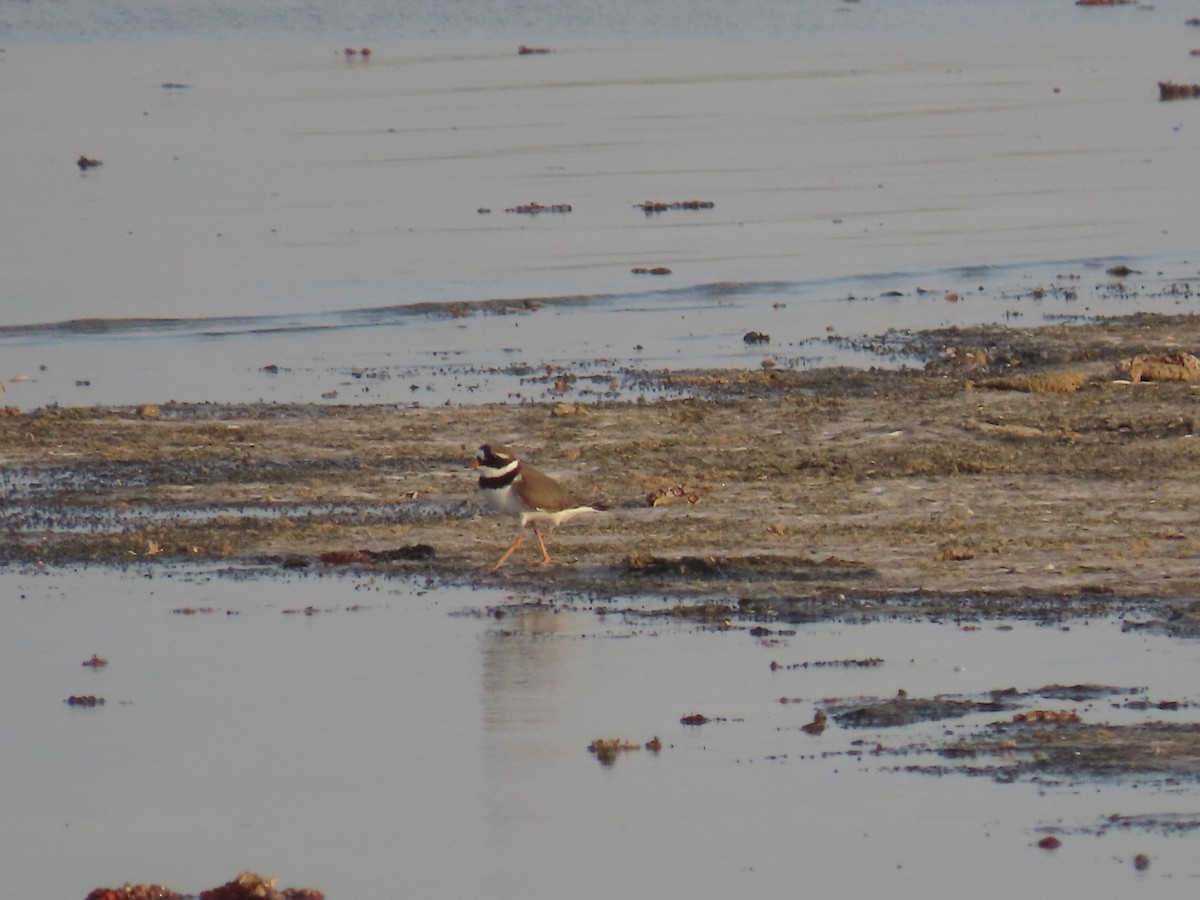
pixel 402 739
pixel 288 207
pixel 359 20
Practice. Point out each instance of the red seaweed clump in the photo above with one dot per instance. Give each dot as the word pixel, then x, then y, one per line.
pixel 135 892
pixel 87 700
pixel 247 886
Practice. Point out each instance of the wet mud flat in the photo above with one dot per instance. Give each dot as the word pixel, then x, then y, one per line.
pixel 1054 735
pixel 1005 472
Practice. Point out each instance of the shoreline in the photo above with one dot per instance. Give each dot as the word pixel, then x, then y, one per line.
pixel 823 493
pixel 569 347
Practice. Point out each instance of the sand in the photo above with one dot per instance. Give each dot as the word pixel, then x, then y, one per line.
pixel 831 487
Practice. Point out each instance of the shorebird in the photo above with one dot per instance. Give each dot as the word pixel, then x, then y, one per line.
pixel 518 489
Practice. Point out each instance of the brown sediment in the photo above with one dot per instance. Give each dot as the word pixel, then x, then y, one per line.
pixel 1169 90
pixel 655 206
pixel 1160 367
pixel 1035 743
pixel 1072 748
pixel 1050 383
pixel 824 492
pixel 534 208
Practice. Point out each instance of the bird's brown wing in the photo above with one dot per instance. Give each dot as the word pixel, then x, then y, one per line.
pixel 542 492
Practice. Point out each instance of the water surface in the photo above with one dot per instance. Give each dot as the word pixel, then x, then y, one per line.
pixel 282 204
pixel 402 739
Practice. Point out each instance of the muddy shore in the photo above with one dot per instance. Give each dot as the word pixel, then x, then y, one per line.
pixel 948 487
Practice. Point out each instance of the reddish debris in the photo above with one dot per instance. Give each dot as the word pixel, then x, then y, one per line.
pixel 606 749
pixel 1050 716
pixel 533 208
pixel 1169 90
pixel 247 886
pixel 817 725
pixel 96 662
pixel 1050 843
pixel 694 719
pixel 407 553
pixel 651 206
pixel 135 892
pixel 86 700
pixel 657 270
pixel 345 557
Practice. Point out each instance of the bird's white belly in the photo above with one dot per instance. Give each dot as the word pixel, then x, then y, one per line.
pixel 504 500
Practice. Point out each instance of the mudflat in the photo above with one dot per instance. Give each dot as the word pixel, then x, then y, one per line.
pixel 1014 472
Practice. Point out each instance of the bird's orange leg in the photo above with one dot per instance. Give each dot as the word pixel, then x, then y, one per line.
pixel 511 550
pixel 546 560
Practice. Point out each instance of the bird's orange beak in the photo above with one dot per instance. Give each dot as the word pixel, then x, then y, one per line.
pixel 473 464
